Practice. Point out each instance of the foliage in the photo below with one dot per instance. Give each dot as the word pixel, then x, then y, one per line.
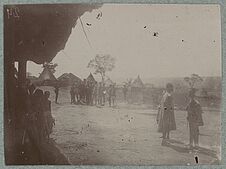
pixel 51 66
pixel 101 64
pixel 128 82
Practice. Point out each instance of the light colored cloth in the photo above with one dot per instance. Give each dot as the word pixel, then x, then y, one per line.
pixel 165 117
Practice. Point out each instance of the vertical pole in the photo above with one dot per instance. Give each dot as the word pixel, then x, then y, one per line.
pixel 22 66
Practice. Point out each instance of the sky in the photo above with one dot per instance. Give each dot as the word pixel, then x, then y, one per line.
pixel 188 41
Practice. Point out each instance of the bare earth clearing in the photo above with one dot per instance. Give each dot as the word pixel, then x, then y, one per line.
pixel 127 135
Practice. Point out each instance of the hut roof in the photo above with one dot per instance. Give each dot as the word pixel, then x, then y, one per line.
pixel 91 78
pixel 46 75
pixel 68 76
pixel 109 82
pixel 37 32
pixel 138 82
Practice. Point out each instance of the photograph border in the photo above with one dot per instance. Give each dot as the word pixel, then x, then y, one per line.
pixel 222 5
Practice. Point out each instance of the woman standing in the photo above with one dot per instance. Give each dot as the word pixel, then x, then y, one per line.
pixel 165 118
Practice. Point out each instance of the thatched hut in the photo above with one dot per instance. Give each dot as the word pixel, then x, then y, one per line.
pixel 137 87
pixel 32 32
pixel 67 79
pixel 46 78
pixel 91 79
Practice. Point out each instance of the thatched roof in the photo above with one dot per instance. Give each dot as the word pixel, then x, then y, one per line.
pixel 90 78
pixel 46 75
pixel 138 82
pixel 68 79
pixel 37 32
pixel 69 76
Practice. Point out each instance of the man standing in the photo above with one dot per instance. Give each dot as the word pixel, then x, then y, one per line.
pixel 165 118
pixel 104 92
pixel 194 118
pixel 77 93
pixel 72 92
pixel 100 93
pixel 95 93
pixel 110 94
pixel 56 92
pixel 125 90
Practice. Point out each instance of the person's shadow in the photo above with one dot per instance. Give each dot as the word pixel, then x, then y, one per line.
pixel 183 148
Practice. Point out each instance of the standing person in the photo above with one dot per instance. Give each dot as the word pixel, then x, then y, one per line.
pixel 95 93
pixel 77 93
pixel 113 94
pixel 110 94
pixel 165 118
pixel 37 117
pixel 84 88
pixel 72 92
pixel 80 89
pixel 57 93
pixel 100 94
pixel 88 93
pixel 49 120
pixel 36 125
pixel 91 97
pixel 194 118
pixel 125 90
pixel 104 92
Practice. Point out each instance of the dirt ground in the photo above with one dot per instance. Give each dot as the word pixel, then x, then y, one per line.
pixel 127 135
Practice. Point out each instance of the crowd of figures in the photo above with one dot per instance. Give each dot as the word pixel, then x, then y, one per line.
pixel 166 119
pixel 35 120
pixel 39 115
pixel 92 93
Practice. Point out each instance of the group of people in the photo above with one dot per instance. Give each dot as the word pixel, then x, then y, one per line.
pixel 166 119
pixel 92 93
pixel 38 116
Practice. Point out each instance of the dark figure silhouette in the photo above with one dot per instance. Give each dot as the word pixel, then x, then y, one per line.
pixel 57 93
pixel 194 118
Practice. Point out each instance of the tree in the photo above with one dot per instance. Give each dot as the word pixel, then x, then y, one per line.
pixel 51 66
pixel 101 64
pixel 193 80
pixel 128 82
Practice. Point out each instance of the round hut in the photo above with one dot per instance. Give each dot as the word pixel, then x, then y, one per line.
pixel 136 96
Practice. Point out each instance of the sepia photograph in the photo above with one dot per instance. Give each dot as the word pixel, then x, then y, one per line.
pixel 112 84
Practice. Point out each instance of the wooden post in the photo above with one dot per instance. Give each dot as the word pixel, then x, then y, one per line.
pixel 22 67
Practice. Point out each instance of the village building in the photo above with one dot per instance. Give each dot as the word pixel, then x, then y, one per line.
pixel 32 37
pixel 68 79
pixel 90 78
pixel 46 78
pixel 137 88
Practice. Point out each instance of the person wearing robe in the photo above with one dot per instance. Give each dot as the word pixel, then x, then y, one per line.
pixel 125 90
pixel 95 93
pixel 112 95
pixel 49 120
pixel 76 90
pixel 104 92
pixel 88 92
pixel 100 93
pixel 165 118
pixel 194 118
pixel 72 93
pixel 35 125
pixel 109 94
pixel 57 93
